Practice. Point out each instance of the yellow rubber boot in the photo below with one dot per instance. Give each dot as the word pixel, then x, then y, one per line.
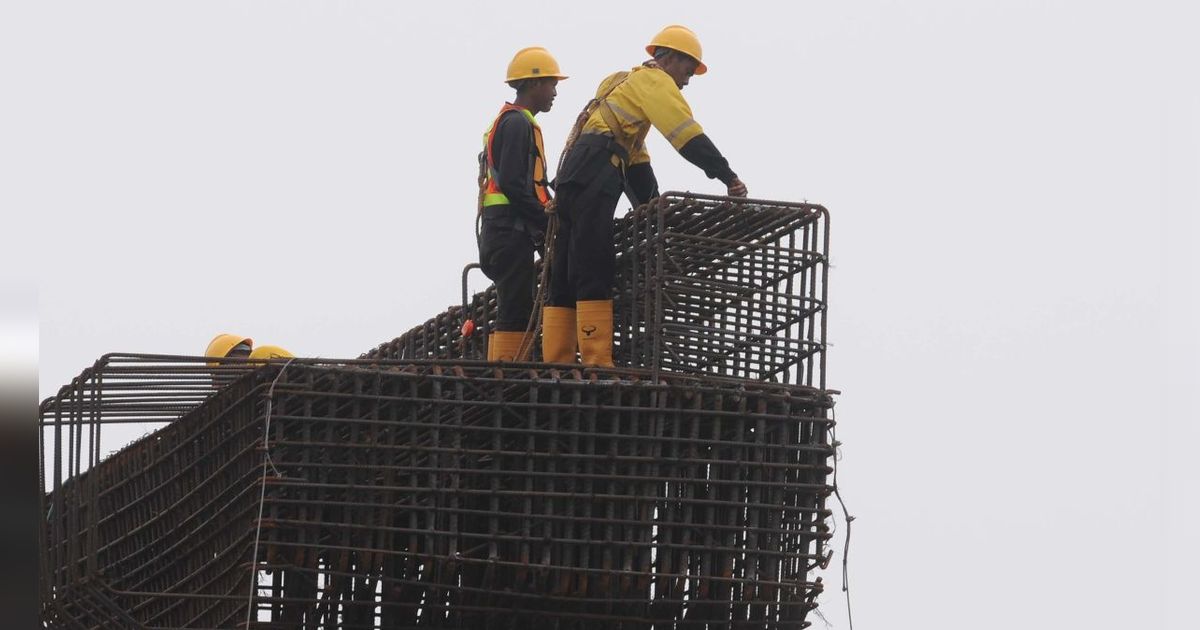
pixel 558 334
pixel 594 329
pixel 507 344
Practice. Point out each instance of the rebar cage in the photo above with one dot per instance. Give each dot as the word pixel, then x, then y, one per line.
pixel 436 495
pixel 418 487
pixel 705 285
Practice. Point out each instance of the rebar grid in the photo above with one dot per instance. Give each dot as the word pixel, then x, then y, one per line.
pixel 419 487
pixel 146 515
pixel 710 285
pixel 435 495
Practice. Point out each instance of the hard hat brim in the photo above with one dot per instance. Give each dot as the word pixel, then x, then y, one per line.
pixel 700 69
pixel 560 77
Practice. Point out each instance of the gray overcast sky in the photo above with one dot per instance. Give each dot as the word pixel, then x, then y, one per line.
pixel 1013 185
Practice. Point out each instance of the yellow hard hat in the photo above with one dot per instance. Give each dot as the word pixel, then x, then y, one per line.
pixel 534 62
pixel 271 352
pixel 224 343
pixel 679 38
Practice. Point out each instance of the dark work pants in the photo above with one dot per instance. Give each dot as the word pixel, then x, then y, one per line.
pixel 506 256
pixel 584 251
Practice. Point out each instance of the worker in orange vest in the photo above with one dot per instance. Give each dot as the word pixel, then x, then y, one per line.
pixel 609 159
pixel 514 196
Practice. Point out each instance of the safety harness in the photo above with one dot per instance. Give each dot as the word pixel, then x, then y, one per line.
pixel 625 145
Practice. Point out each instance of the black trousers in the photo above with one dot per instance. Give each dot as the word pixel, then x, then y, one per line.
pixel 506 256
pixel 584 251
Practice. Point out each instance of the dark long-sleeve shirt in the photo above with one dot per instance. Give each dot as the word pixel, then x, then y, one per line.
pixel 641 185
pixel 703 153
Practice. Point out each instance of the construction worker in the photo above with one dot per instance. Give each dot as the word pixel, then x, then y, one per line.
pixel 610 158
pixel 514 195
pixel 223 346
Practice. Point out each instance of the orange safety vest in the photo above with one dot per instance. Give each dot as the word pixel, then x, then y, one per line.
pixel 492 195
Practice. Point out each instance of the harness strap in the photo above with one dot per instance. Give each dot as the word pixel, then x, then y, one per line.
pixel 614 125
pixel 606 142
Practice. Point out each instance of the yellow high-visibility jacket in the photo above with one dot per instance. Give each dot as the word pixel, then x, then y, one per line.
pixel 647 97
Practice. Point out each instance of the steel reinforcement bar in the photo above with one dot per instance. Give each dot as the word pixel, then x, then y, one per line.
pixel 427 494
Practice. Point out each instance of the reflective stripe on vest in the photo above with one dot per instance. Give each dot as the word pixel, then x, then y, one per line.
pixel 492 195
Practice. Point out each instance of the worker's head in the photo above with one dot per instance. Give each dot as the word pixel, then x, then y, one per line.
pixel 680 66
pixel 224 346
pixel 227 345
pixel 536 94
pixel 534 74
pixel 676 50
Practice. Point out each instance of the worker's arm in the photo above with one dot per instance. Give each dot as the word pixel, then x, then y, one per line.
pixel 513 148
pixel 640 184
pixel 703 153
pixel 667 110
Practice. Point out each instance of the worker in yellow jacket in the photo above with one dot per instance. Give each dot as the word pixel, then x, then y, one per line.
pixel 514 196
pixel 609 159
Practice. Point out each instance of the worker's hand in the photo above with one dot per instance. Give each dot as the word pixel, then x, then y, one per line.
pixel 737 188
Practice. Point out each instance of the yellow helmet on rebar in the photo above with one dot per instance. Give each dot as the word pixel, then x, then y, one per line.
pixel 269 352
pixel 534 62
pixel 679 38
pixel 224 344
